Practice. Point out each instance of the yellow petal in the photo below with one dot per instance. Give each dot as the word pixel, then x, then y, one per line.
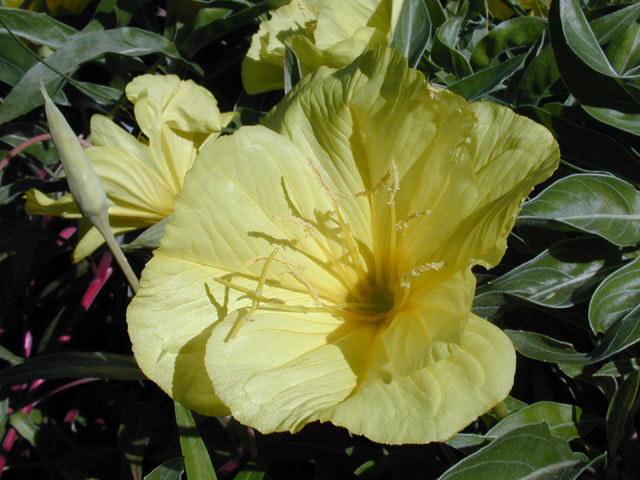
pixel 90 239
pixel 40 204
pixel 512 154
pixel 433 403
pixel 170 321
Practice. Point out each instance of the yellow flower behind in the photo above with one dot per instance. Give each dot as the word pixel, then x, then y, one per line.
pixel 321 32
pixel 319 267
pixel 141 179
pixel 56 7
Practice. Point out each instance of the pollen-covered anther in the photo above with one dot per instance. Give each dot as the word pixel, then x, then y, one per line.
pixel 381 185
pixel 307 285
pixel 404 223
pixel 405 279
pixel 395 184
pixel 306 226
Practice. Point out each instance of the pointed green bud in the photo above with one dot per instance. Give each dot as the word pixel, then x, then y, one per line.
pixel 84 184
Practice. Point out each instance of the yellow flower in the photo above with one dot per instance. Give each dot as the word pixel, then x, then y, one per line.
pixel 538 8
pixel 321 32
pixel 141 179
pixel 74 7
pixel 319 267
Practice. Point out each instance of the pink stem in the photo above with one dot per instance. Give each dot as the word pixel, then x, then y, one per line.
pixel 27 143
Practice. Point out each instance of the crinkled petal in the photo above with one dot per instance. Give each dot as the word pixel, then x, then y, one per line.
pixel 283 368
pixel 429 326
pixel 434 403
pixel 512 154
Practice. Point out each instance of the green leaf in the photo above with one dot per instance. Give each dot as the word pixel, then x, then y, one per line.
pixel 615 297
pixel 624 51
pixel 488 303
pixel 560 276
pixel 611 26
pixel 8 356
pixel 564 421
pixel 444 51
pixel 479 84
pixel 619 411
pixel 594 203
pixel 196 456
pixel 150 238
pixel 628 122
pixel 73 365
pixel 585 69
pixel 544 348
pixel 80 48
pixel 38 28
pixel 509 34
pixel 214 30
pixel 538 77
pixel 624 333
pixel 619 368
pixel 13 61
pixel 412 32
pixel 526 452
pixel 588 147
pixel 292 69
pixel 170 470
pixel 247 474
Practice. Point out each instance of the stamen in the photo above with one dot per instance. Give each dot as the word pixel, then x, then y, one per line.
pixel 251 261
pixel 312 291
pixel 381 185
pixel 403 224
pixel 351 244
pixel 395 185
pixel 255 300
pixel 307 227
pixel 405 281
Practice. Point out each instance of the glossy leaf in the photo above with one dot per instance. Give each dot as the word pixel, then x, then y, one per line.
pixel 611 26
pixel 292 69
pixel 544 348
pixel 444 51
pixel 564 421
pixel 594 203
pixel 479 84
pixel 73 365
pixel 509 34
pixel 170 470
pixel 538 77
pixel 80 48
pixel 624 51
pixel 615 297
pixel 628 122
pixel 196 456
pixel 526 452
pixel 619 410
pixel 412 31
pixel 560 276
pixel 37 28
pixel 618 368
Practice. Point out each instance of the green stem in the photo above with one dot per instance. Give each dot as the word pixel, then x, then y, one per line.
pixel 501 410
pixel 120 258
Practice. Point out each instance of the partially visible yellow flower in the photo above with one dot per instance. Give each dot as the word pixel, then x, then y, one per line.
pixel 538 8
pixel 142 178
pixel 319 267
pixel 321 32
pixel 56 7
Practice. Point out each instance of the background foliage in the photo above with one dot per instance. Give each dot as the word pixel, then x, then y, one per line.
pixel 73 403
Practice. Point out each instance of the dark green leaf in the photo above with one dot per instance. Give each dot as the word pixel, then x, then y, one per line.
pixel 564 421
pixel 615 297
pixel 292 69
pixel 538 77
pixel 628 122
pixel 624 333
pixel 214 30
pixel 8 356
pixel 13 61
pixel 619 410
pixel 585 69
pixel 150 238
pixel 560 276
pixel 38 28
pixel 412 31
pixel 545 349
pixel 526 452
pixel 483 82
pixel 618 368
pixel 73 365
pixel 444 51
pixel 509 34
pixel 611 26
pixel 196 456
pixel 624 51
pixel 80 48
pixel 169 470
pixel 599 204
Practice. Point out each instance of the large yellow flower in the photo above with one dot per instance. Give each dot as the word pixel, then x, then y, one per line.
pixel 321 32
pixel 142 178
pixel 319 267
pixel 56 7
